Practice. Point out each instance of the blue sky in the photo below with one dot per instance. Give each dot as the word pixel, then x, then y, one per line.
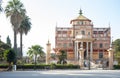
pixel 45 14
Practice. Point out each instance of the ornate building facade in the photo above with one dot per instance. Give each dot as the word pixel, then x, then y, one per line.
pixel 83 41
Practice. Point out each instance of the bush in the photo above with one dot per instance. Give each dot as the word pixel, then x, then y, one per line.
pixel 53 66
pixel 32 66
pixel 44 66
pixel 70 66
pixel 116 66
pixel 4 66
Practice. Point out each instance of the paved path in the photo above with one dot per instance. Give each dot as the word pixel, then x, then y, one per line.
pixel 62 74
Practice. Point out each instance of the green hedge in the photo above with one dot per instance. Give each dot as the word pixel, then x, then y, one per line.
pixel 44 66
pixel 116 66
pixel 51 66
pixel 3 66
pixel 32 66
pixel 67 66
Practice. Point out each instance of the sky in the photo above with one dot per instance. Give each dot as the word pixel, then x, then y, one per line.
pixel 47 14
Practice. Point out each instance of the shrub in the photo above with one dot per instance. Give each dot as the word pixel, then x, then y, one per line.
pixel 116 66
pixel 3 66
pixel 43 66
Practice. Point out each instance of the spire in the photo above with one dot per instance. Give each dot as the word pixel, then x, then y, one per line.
pixel 48 41
pixel 80 12
pixel 111 44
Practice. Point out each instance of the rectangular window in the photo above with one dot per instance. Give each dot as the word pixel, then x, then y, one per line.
pixel 59 35
pixel 101 45
pixel 70 44
pixel 83 32
pixel 64 35
pixel 58 32
pixel 100 54
pixel 95 32
pixel 95 45
pixel 64 45
pixel 59 45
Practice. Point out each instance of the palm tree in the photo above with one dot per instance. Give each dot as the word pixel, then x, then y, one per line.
pixel 35 50
pixel 1 6
pixel 23 29
pixel 15 11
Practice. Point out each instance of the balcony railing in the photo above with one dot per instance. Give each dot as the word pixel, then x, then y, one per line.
pixel 83 36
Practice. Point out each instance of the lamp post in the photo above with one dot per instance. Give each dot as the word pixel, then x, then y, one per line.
pixel 110 50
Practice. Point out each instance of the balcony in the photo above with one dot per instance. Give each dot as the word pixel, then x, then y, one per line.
pixel 83 37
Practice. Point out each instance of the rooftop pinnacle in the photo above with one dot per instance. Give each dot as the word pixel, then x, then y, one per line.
pixel 80 12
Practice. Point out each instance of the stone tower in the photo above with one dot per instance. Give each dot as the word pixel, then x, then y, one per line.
pixel 48 52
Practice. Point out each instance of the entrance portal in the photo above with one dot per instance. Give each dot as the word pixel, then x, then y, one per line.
pixel 85 54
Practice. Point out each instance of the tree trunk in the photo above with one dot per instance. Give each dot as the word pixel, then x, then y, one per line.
pixel 21 45
pixel 15 44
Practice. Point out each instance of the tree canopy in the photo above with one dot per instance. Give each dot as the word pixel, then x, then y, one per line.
pixel 116 46
pixel 35 50
pixel 3 47
pixel 62 57
pixel 24 29
pixel 9 55
pixel 16 12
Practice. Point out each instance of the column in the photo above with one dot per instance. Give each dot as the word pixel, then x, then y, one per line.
pixel 82 51
pixel 91 51
pixel 87 50
pixel 75 50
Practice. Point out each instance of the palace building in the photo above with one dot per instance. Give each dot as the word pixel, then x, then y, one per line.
pixel 83 41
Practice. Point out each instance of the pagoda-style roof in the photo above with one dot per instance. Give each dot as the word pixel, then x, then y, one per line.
pixel 81 17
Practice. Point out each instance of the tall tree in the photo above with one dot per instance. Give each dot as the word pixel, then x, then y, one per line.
pixel 34 51
pixel 15 11
pixel 1 6
pixel 116 46
pixel 24 29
